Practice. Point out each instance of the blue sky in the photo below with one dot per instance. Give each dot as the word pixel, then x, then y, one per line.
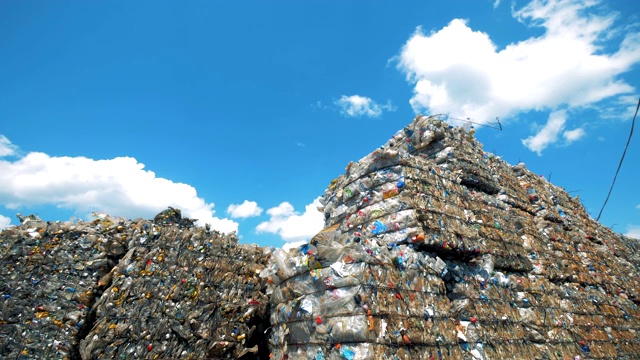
pixel 241 112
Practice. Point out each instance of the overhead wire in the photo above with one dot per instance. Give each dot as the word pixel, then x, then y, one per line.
pixel 621 160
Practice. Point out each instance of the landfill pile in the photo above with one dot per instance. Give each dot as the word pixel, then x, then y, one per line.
pixel 123 289
pixel 435 249
pixel 432 249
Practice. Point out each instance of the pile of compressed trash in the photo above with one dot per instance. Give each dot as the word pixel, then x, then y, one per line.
pixel 180 292
pixel 122 289
pixel 432 249
pixel 49 279
pixel 435 249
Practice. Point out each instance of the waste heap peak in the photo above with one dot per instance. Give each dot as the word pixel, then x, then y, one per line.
pixel 433 248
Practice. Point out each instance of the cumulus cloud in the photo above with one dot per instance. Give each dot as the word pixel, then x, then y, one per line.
pixel 633 231
pixel 6 147
pixel 291 225
pixel 245 210
pixel 4 222
pixel 461 72
pixel 574 135
pixel 119 187
pixel 356 105
pixel 547 134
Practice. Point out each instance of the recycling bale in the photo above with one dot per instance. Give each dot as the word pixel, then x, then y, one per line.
pixel 434 248
pixel 121 288
pixel 181 292
pixel 49 278
pixel 358 300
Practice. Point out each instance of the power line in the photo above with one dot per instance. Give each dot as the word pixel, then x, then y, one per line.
pixel 621 159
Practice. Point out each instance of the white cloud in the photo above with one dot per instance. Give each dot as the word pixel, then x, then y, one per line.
pixel 6 147
pixel 573 135
pixel 244 210
pixel 623 108
pixel 4 222
pixel 292 226
pixel 119 187
pixel 548 134
pixel 292 245
pixel 356 105
pixel 633 231
pixel 461 72
pixel 496 3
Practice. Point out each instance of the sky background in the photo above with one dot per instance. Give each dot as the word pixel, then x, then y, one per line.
pixel 240 113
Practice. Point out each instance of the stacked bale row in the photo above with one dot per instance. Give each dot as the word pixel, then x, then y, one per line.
pixel 357 299
pixel 430 207
pixel 181 293
pixel 120 289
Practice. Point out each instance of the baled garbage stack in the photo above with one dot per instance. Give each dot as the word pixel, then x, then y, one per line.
pixel 435 249
pixel 49 279
pixel 115 288
pixel 181 292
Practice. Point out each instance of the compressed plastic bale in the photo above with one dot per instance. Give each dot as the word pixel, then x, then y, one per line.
pixel 181 292
pixel 433 248
pixel 50 277
pixel 524 263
